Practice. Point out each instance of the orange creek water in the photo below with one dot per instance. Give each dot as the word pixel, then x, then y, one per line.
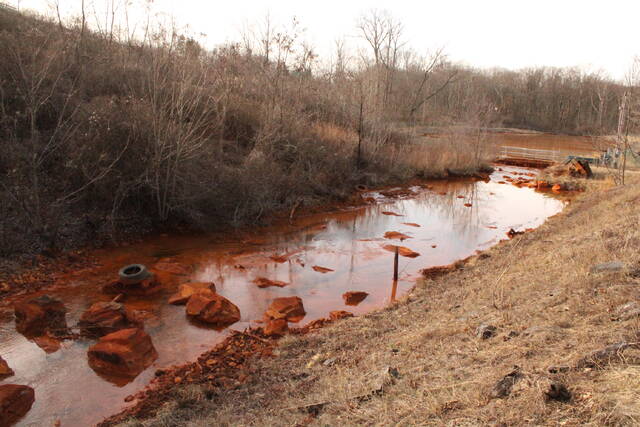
pixel 348 245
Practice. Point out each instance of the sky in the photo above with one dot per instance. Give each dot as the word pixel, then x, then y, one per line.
pixel 512 34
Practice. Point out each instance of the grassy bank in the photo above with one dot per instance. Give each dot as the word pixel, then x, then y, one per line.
pixel 420 361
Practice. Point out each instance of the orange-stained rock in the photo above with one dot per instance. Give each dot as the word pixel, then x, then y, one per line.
pixel 39 315
pixel 411 224
pixel 289 308
pixel 394 235
pixel 102 318
pixel 321 269
pixel 390 213
pixel 148 286
pixel 542 184
pixel 124 353
pixel 209 307
pixel 15 402
pixel 276 327
pixel 556 188
pixel 406 252
pixel 263 282
pixel 468 205
pixel 339 314
pixel 354 297
pixel 187 289
pixel 5 370
pixel 460 196
pixel 47 343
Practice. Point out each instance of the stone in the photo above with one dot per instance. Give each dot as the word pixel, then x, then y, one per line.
pixel 39 315
pixel 289 308
pixel 15 402
pixel 5 370
pixel 263 282
pixel 503 387
pixel 602 357
pixel 102 318
pixel 320 269
pixel 125 353
pixel 485 331
pixel 47 343
pixel 354 297
pixel 543 185
pixel 395 235
pixel 276 328
pixel 403 251
pixel 186 290
pixel 339 314
pixel 148 286
pixel 556 188
pixel 558 392
pixel 608 267
pixel 628 311
pixel 209 307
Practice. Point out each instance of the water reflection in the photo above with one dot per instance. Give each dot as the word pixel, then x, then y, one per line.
pixel 349 242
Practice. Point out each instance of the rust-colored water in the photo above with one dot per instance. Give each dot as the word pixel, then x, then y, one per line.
pixel 349 242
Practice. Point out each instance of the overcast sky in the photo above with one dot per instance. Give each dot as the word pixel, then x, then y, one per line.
pixel 594 35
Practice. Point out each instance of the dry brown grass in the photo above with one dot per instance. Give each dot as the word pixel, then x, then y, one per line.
pixel 538 286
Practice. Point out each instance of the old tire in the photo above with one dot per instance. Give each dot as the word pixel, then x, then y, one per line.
pixel 133 273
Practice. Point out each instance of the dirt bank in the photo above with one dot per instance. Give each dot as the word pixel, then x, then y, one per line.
pixel 424 361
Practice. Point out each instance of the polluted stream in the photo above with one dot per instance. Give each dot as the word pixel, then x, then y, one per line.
pixel 319 257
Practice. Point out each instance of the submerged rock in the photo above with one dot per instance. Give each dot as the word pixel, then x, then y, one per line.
pixel 289 308
pixel 126 352
pixel 403 251
pixel 102 318
pixel 276 328
pixel 354 297
pixel 209 307
pixel 148 286
pixel 39 315
pixel 186 290
pixel 263 282
pixel 320 269
pixel 15 402
pixel 5 370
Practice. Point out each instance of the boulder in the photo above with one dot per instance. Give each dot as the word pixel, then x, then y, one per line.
pixel 5 370
pixel 339 314
pixel 39 315
pixel 289 308
pixel 209 307
pixel 186 290
pixel 15 402
pixel 276 327
pixel 354 297
pixel 124 353
pixel 102 318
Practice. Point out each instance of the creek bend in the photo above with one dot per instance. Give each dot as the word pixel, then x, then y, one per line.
pixel 446 221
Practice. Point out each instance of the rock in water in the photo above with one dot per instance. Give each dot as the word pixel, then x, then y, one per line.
pixel 126 352
pixel 289 308
pixel 39 315
pixel 102 318
pixel 339 314
pixel 209 307
pixel 354 297
pixel 186 290
pixel 15 402
pixel 5 370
